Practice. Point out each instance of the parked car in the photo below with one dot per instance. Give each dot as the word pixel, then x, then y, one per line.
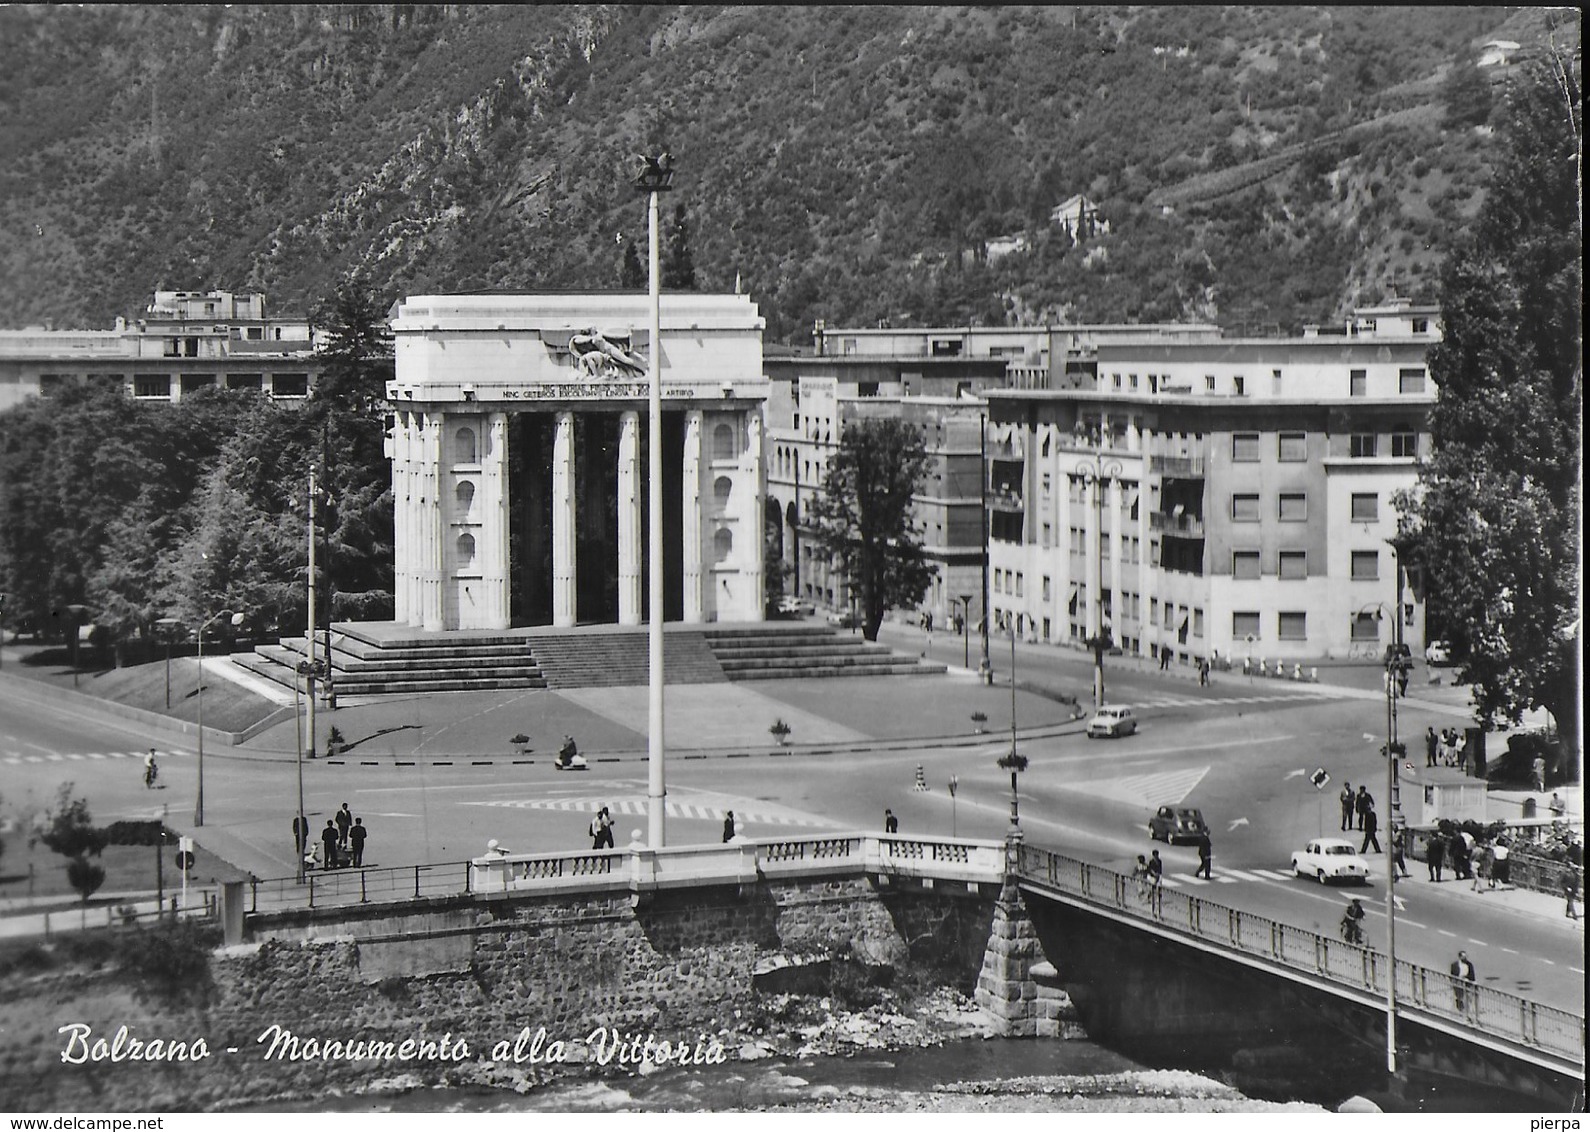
pixel 1330 858
pixel 1438 653
pixel 844 618
pixel 1109 722
pixel 1173 824
pixel 792 606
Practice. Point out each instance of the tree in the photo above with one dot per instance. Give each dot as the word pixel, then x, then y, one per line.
pixel 864 516
pixel 678 266
pixel 1495 519
pixel 69 830
pixel 632 274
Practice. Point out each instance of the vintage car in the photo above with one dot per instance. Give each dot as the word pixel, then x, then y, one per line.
pixel 1330 858
pixel 1173 824
pixel 1109 722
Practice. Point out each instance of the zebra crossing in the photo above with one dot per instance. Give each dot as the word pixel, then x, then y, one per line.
pixel 1224 876
pixel 1208 701
pixel 637 807
pixel 17 758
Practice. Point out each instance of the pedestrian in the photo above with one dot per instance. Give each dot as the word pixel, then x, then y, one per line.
pixel 1203 672
pixel 594 830
pixel 1482 866
pixel 728 826
pixel 1398 842
pixel 1500 868
pixel 605 841
pixel 329 839
pixel 1462 859
pixel 1140 876
pixel 1371 825
pixel 891 824
pixel 1156 871
pixel 356 835
pixel 1462 979
pixel 1432 746
pixel 300 835
pixel 1435 856
pixel 1451 746
pixel 1361 805
pixel 1347 806
pixel 1206 853
pixel 1164 659
pixel 1570 889
pixel 1537 770
pixel 1559 808
pixel 344 824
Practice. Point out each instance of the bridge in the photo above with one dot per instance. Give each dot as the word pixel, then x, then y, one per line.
pixel 1340 984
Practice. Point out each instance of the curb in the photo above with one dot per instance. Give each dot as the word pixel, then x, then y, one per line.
pixel 38 693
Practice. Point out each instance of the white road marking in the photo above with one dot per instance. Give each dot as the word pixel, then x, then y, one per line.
pixel 1443 931
pixel 1510 951
pixel 1477 942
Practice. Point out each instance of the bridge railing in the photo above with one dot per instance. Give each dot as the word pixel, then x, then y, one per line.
pixel 1477 1007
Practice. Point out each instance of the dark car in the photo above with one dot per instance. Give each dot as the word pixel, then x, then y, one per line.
pixel 1174 824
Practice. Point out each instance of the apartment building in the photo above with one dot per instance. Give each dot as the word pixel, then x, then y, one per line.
pixel 1216 498
pixel 183 342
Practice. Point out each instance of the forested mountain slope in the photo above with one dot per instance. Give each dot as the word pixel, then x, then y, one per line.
pixel 1258 166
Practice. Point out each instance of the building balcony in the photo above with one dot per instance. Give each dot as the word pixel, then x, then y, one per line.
pixel 1005 501
pixel 1177 467
pixel 1169 523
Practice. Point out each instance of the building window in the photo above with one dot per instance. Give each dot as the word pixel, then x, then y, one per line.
pixel 1358 383
pixel 193 382
pixel 1405 445
pixel 465 494
pixel 1366 627
pixel 1244 447
pixel 1292 507
pixel 1292 446
pixel 255 334
pixel 1238 386
pixel 1048 535
pixel 1198 622
pixel 254 381
pixel 1245 508
pixel 1366 508
pixel 1245 625
pixel 1018 583
pixel 1209 383
pixel 1292 626
pixel 1410 380
pixel 152 385
pixel 1363 445
pixel 1293 565
pixel 723 447
pixel 1245 565
pixel 1046 588
pixel 466 550
pixel 722 544
pixel 289 385
pixel 1366 565
pixel 1421 326
pixel 464 447
pixel 721 487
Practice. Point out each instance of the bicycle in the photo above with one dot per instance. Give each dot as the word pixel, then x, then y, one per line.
pixel 151 772
pixel 1352 930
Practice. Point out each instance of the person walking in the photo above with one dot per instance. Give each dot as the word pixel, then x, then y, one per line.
pixel 1347 806
pixel 606 839
pixel 1482 866
pixel 1362 804
pixel 1500 869
pixel 329 839
pixel 1371 826
pixel 1462 979
pixel 594 830
pixel 1156 873
pixel 1435 856
pixel 728 826
pixel 344 824
pixel 1398 844
pixel 1140 877
pixel 1570 889
pixel 891 824
pixel 1206 854
pixel 1432 747
pixel 356 835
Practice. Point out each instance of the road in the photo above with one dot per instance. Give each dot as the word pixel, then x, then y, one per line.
pixel 1241 751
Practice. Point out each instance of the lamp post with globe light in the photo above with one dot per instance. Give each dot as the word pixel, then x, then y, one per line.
pixel 237 619
pixel 1094 477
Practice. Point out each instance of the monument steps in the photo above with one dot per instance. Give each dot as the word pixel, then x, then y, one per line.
pixel 608 659
pixel 441 666
pixel 792 651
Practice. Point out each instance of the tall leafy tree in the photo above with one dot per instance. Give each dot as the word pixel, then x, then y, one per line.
pixel 864 517
pixel 678 264
pixel 1496 517
pixel 632 275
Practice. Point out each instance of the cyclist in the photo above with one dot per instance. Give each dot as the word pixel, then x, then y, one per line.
pixel 1353 922
pixel 151 770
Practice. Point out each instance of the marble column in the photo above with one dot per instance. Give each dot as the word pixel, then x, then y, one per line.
pixel 690 508
pixel 433 550
pixel 402 505
pixel 756 551
pixel 563 523
pixel 490 507
pixel 630 542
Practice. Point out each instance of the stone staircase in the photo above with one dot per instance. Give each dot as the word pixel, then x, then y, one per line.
pixel 380 658
pixel 782 650
pixel 610 657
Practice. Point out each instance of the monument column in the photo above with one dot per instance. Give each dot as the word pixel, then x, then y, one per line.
pixel 402 505
pixel 756 476
pixel 629 532
pixel 690 508
pixel 432 569
pixel 563 520
pixel 492 507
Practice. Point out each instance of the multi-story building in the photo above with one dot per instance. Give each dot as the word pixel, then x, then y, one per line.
pixel 1219 498
pixel 184 342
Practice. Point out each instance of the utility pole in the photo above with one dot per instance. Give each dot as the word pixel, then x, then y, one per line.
pixel 309 636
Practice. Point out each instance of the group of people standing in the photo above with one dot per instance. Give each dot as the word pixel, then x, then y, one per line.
pixel 341 843
pixel 1471 859
pixel 1443 749
pixel 1360 807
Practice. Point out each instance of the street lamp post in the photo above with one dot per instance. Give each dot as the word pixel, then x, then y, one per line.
pixel 985 669
pixel 237 619
pixel 301 823
pixel 168 627
pixel 1095 476
pixel 1013 762
pixel 654 177
pixel 966 632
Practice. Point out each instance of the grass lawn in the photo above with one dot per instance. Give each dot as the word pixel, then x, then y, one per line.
pixel 38 871
pixel 227 706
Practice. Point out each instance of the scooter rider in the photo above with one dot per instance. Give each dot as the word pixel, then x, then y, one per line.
pixel 1353 922
pixel 567 752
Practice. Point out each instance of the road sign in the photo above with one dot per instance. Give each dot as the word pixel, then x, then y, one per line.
pixel 1319 778
pixel 185 853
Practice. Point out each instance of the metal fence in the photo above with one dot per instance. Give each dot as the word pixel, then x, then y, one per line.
pixel 342 887
pixel 1470 1005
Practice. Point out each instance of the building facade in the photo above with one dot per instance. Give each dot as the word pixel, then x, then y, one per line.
pixel 185 341
pixel 1228 498
pixel 519 456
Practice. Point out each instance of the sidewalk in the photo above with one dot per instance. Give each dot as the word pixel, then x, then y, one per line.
pixel 1522 901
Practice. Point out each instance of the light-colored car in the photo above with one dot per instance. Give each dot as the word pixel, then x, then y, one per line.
pixel 1438 653
pixel 1109 722
pixel 795 606
pixel 1330 858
